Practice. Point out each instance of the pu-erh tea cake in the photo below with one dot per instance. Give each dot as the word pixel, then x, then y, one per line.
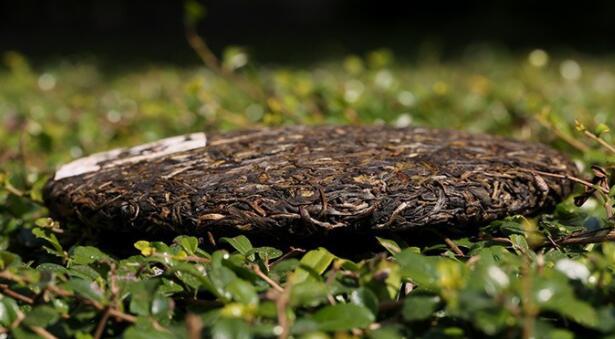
pixel 300 181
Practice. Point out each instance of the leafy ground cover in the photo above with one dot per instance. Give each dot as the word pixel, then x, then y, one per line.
pixel 520 277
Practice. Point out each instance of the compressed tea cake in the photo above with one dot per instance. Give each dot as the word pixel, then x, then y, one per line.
pixel 299 181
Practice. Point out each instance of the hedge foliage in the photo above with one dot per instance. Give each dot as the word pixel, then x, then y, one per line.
pixel 517 278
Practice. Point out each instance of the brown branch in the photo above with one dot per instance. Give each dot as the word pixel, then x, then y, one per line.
pixel 42 332
pixel 263 276
pixel 582 238
pixel 102 323
pixel 293 252
pixel 568 177
pixel 210 60
pixel 15 295
pixel 281 302
pixel 194 326
pixel 450 243
pixel 202 50
pixel 119 315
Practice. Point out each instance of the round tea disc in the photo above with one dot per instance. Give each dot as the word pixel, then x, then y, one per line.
pixel 309 180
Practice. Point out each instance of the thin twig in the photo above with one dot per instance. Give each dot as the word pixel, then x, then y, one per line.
pixel 599 140
pixel 293 251
pixel 263 276
pixel 527 307
pixel 15 295
pixel 582 238
pixel 454 247
pixel 451 244
pixel 568 177
pixel 194 326
pixel 102 323
pixel 210 60
pixel 568 139
pixel 42 332
pixel 281 302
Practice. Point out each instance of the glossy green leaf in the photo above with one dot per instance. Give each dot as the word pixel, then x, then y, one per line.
pixel 42 316
pixel 240 243
pixel 84 255
pixel 341 317
pixel 312 265
pixel 419 307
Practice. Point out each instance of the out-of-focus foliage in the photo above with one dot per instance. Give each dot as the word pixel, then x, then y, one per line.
pixel 512 280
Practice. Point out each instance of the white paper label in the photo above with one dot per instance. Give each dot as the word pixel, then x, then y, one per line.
pixel 98 161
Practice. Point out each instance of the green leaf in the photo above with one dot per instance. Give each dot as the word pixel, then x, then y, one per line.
pixel 86 288
pixel 240 243
pixel 162 307
pixel 601 129
pixel 312 265
pixel 188 244
pixel 520 243
pixel 389 245
pixel 221 277
pixel 386 332
pixel 141 295
pixel 42 316
pixel 242 291
pixel 422 270
pixel 145 247
pixel 308 293
pixel 8 259
pixel 340 317
pixel 9 311
pixel 264 253
pixel 85 255
pixel 52 239
pixel 553 292
pixel 365 297
pixel 419 307
pixel 143 330
pixel 230 329
pixel 53 268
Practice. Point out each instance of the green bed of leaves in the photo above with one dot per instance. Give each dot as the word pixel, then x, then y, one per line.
pixel 514 280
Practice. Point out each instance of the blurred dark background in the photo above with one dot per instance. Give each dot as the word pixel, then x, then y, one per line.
pixel 285 30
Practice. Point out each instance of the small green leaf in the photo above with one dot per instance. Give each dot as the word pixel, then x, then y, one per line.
pixel 231 329
pixel 42 316
pixel 9 311
pixel 8 259
pixel 145 247
pixel 189 244
pixel 141 295
pixel 340 317
pixel 265 253
pixel 308 293
pixel 422 270
pixel 86 288
pixel 85 255
pixel 240 243
pixel 386 332
pixel 312 265
pixel 243 292
pixel 365 297
pixel 52 239
pixel 601 129
pixel 53 268
pixel 419 307
pixel 389 245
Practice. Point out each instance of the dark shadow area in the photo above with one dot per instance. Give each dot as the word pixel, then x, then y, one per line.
pixel 302 30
